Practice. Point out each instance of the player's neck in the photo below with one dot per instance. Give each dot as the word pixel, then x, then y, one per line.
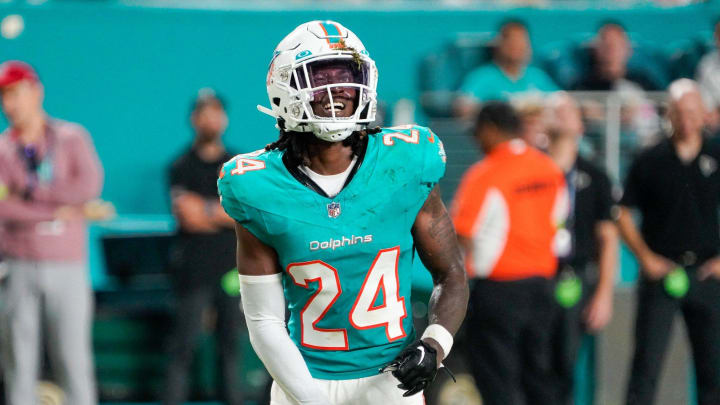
pixel 687 147
pixel 491 142
pixel 209 151
pixel 31 131
pixel 328 158
pixel 510 68
pixel 612 73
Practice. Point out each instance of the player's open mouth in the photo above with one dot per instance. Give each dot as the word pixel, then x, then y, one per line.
pixel 337 106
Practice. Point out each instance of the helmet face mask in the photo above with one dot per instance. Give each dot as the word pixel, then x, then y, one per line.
pixel 324 84
pixel 329 78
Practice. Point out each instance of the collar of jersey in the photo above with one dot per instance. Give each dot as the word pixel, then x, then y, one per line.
pixel 512 147
pixel 360 170
pixel 670 147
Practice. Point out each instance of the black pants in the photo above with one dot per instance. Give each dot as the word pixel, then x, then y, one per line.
pixel 655 312
pixel 568 335
pixel 183 342
pixel 509 329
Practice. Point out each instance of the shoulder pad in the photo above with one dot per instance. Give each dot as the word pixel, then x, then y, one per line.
pixel 415 145
pixel 243 177
pixel 246 162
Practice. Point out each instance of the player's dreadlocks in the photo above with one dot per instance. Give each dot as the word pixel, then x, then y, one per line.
pixel 295 144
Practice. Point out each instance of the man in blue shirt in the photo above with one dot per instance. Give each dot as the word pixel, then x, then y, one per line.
pixel 507 75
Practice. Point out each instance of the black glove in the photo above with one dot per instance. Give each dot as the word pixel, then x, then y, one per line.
pixel 415 367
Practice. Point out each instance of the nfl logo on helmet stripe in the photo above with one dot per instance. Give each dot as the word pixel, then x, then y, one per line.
pixel 333 210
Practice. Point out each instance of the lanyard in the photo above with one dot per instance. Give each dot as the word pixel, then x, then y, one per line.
pixel 38 171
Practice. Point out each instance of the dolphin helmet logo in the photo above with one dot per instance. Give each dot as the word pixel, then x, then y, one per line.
pixel 303 54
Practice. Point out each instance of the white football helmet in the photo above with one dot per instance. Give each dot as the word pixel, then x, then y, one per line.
pixel 294 80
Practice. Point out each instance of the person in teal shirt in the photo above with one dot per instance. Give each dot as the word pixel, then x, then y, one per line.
pixel 508 75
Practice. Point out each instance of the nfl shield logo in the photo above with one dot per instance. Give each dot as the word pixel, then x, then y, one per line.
pixel 333 210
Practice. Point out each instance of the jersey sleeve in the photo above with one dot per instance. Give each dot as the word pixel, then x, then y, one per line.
pixel 605 201
pixel 633 185
pixel 240 196
pixel 234 195
pixel 434 157
pixel 177 177
pixel 229 201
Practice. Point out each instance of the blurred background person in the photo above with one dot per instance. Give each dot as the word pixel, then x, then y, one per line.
pixel 608 69
pixel 591 262
pixel 205 252
pixel 675 186
pixel 531 111
pixel 506 213
pixel 48 171
pixel 708 77
pixel 507 75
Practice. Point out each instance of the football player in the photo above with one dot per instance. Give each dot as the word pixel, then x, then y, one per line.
pixel 328 219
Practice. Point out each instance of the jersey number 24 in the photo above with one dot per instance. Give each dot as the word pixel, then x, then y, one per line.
pixel 383 274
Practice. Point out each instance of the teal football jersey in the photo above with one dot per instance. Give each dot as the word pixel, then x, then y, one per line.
pixel 346 260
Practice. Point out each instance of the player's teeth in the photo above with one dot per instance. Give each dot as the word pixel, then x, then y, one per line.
pixel 338 106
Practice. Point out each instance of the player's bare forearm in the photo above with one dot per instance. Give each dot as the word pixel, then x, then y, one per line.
pixel 15 209
pixel 630 233
pixel 607 237
pixel 438 249
pixel 189 210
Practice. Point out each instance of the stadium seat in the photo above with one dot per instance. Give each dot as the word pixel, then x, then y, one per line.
pixel 564 62
pixel 649 59
pixel 442 73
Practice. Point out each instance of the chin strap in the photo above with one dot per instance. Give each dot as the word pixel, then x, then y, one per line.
pixel 331 132
pixel 267 111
